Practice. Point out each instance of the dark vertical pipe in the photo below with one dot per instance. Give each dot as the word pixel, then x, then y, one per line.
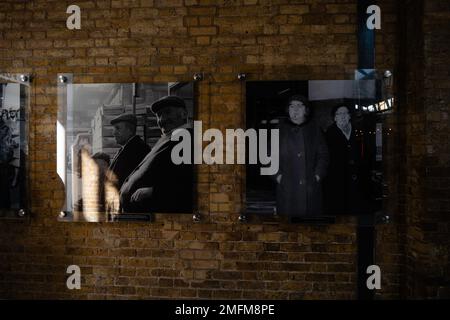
pixel 365 230
pixel 366 37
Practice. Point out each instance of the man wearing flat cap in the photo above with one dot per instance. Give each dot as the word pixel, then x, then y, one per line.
pixel 132 150
pixel 158 184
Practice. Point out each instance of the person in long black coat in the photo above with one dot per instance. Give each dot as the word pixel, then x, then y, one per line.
pixel 303 162
pixel 346 182
pixel 132 152
pixel 158 184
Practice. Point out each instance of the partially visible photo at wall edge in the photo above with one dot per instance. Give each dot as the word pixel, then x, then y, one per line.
pixel 14 99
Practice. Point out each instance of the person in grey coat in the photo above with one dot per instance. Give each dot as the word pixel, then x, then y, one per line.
pixel 303 162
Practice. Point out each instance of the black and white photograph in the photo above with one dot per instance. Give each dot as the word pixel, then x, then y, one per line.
pixel 114 150
pixel 330 147
pixel 13 144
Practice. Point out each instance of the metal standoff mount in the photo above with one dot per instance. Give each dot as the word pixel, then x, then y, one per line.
pixel 24 78
pixel 62 79
pixel 242 218
pixel 62 214
pixel 197 217
pixel 242 76
pixel 387 74
pixel 198 77
pixel 382 218
pixel 21 213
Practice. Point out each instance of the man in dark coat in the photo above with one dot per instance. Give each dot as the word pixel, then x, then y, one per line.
pixel 158 184
pixel 346 183
pixel 131 153
pixel 303 162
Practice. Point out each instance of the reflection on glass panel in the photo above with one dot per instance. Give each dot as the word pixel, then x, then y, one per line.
pixel 14 99
pixel 330 147
pixel 113 154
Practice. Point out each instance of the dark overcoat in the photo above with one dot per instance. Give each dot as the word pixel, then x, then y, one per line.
pixel 303 155
pixel 127 159
pixel 346 184
pixel 171 185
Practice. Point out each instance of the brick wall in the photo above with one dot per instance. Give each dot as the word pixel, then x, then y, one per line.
pixel 414 251
pixel 145 40
pixel 428 255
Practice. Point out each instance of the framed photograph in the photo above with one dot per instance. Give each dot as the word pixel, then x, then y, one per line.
pixel 329 150
pixel 115 143
pixel 14 106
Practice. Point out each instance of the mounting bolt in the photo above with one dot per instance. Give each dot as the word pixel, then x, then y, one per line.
pixel 62 214
pixel 242 76
pixel 242 218
pixel 196 217
pixel 21 213
pixel 275 212
pixel 24 78
pixel 198 76
pixel 62 79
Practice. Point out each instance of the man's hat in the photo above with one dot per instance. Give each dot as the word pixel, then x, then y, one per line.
pixel 167 101
pixel 125 117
